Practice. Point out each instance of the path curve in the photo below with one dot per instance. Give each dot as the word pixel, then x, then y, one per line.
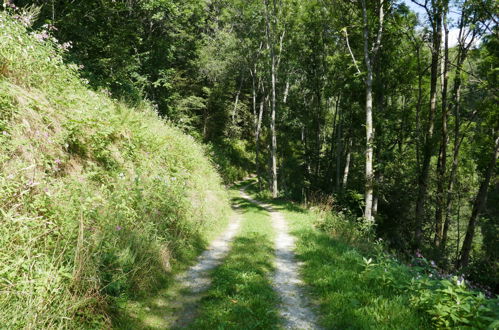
pixel 294 308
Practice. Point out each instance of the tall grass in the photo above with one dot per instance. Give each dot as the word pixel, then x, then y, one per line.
pixel 97 200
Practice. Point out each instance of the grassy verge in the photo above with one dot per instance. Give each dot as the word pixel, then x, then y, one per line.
pixel 99 202
pixel 158 308
pixel 334 272
pixel 359 285
pixel 241 296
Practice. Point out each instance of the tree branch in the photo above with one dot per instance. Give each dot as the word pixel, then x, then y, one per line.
pixel 351 53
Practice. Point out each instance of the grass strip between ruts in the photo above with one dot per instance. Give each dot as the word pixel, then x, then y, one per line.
pixel 241 296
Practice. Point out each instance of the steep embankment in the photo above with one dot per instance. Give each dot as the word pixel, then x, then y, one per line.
pixel 97 200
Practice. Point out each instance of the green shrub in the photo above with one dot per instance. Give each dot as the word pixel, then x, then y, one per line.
pixel 232 159
pixel 445 299
pixel 97 200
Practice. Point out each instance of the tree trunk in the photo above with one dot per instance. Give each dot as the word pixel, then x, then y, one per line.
pixel 369 186
pixel 478 205
pixel 273 150
pixel 428 145
pixel 456 104
pixel 339 149
pixel 442 155
pixel 257 139
pixel 236 103
pixel 347 165
pixel 333 141
pixel 418 108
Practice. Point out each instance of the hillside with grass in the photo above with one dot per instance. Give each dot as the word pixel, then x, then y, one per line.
pixel 98 201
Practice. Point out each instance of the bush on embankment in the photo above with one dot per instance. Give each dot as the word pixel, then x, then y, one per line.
pixel 97 200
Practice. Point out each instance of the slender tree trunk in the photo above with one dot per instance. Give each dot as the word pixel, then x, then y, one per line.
pixel 253 95
pixel 442 155
pixel 478 205
pixel 339 149
pixel 257 139
pixel 418 108
pixel 455 159
pixel 347 164
pixel 273 150
pixel 456 105
pixel 286 92
pixel 318 135
pixel 378 179
pixel 428 145
pixel 333 141
pixel 205 124
pixel 236 103
pixel 369 187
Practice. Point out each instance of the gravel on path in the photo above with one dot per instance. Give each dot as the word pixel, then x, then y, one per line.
pixel 295 307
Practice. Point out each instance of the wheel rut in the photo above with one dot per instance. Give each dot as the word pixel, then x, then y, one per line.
pixel 294 309
pixel 196 280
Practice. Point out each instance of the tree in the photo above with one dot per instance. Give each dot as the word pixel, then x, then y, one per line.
pixel 434 12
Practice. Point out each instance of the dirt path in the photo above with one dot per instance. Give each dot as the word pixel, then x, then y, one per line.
pixel 196 280
pixel 294 307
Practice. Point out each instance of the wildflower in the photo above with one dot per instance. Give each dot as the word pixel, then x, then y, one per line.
pixel 57 161
pixel 49 27
pixel 10 4
pixel 67 45
pixel 42 36
pixel 121 175
pixel 418 254
pixel 4 133
pixel 433 263
pixel 118 228
pixel 460 280
pixel 32 183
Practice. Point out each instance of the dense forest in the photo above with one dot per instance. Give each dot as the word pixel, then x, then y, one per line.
pixel 383 112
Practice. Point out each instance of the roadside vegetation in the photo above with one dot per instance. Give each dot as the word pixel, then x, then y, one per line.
pixel 358 284
pixel 387 106
pixel 98 201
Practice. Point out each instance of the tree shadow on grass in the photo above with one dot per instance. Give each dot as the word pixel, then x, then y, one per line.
pixel 280 204
pixel 245 205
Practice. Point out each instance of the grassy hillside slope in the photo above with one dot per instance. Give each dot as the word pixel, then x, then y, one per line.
pixel 97 200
